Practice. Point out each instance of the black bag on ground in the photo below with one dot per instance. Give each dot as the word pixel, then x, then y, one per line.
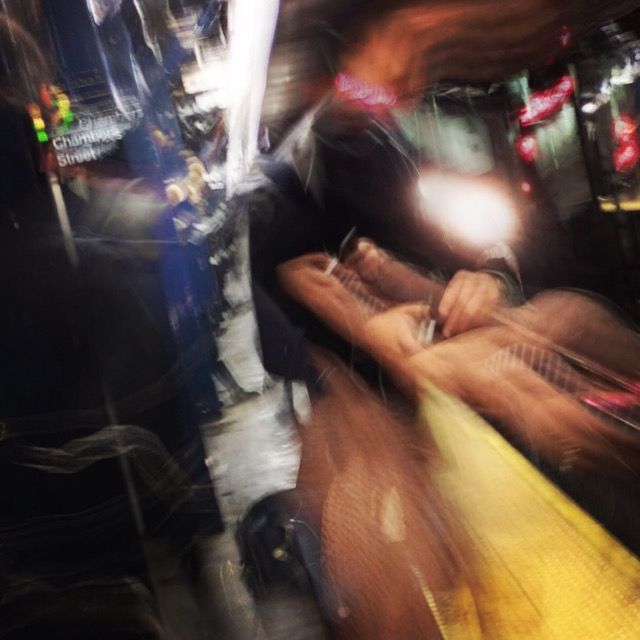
pixel 277 547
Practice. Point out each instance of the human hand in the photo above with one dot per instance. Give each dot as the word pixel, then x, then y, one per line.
pixel 367 260
pixel 389 276
pixel 395 333
pixel 469 300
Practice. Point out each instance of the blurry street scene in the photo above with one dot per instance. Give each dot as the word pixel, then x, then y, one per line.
pixel 320 319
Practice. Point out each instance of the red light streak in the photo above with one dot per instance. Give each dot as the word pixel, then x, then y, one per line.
pixel 527 148
pixel 369 95
pixel 626 157
pixel 627 152
pixel 543 104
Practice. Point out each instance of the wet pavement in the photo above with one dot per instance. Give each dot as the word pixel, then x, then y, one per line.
pixel 252 452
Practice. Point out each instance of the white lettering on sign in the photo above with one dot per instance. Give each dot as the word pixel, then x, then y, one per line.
pixel 91 138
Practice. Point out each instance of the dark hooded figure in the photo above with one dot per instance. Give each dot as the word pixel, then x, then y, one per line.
pixel 87 376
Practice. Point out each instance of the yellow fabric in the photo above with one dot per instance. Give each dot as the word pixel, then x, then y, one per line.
pixel 544 568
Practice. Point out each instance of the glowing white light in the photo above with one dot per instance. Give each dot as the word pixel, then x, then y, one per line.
pixel 625 75
pixel 590 107
pixel 472 210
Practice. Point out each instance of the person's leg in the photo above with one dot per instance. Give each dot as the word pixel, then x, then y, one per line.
pixel 366 486
pixel 283 345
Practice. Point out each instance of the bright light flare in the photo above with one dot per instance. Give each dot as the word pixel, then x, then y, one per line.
pixel 590 107
pixel 473 210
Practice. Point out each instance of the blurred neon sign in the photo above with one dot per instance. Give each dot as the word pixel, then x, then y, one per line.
pixel 58 104
pixel 527 148
pixel 59 115
pixel 369 95
pixel 544 104
pixel 626 155
pixel 39 124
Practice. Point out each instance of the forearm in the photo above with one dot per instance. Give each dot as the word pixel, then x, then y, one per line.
pixel 305 280
pixel 404 284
